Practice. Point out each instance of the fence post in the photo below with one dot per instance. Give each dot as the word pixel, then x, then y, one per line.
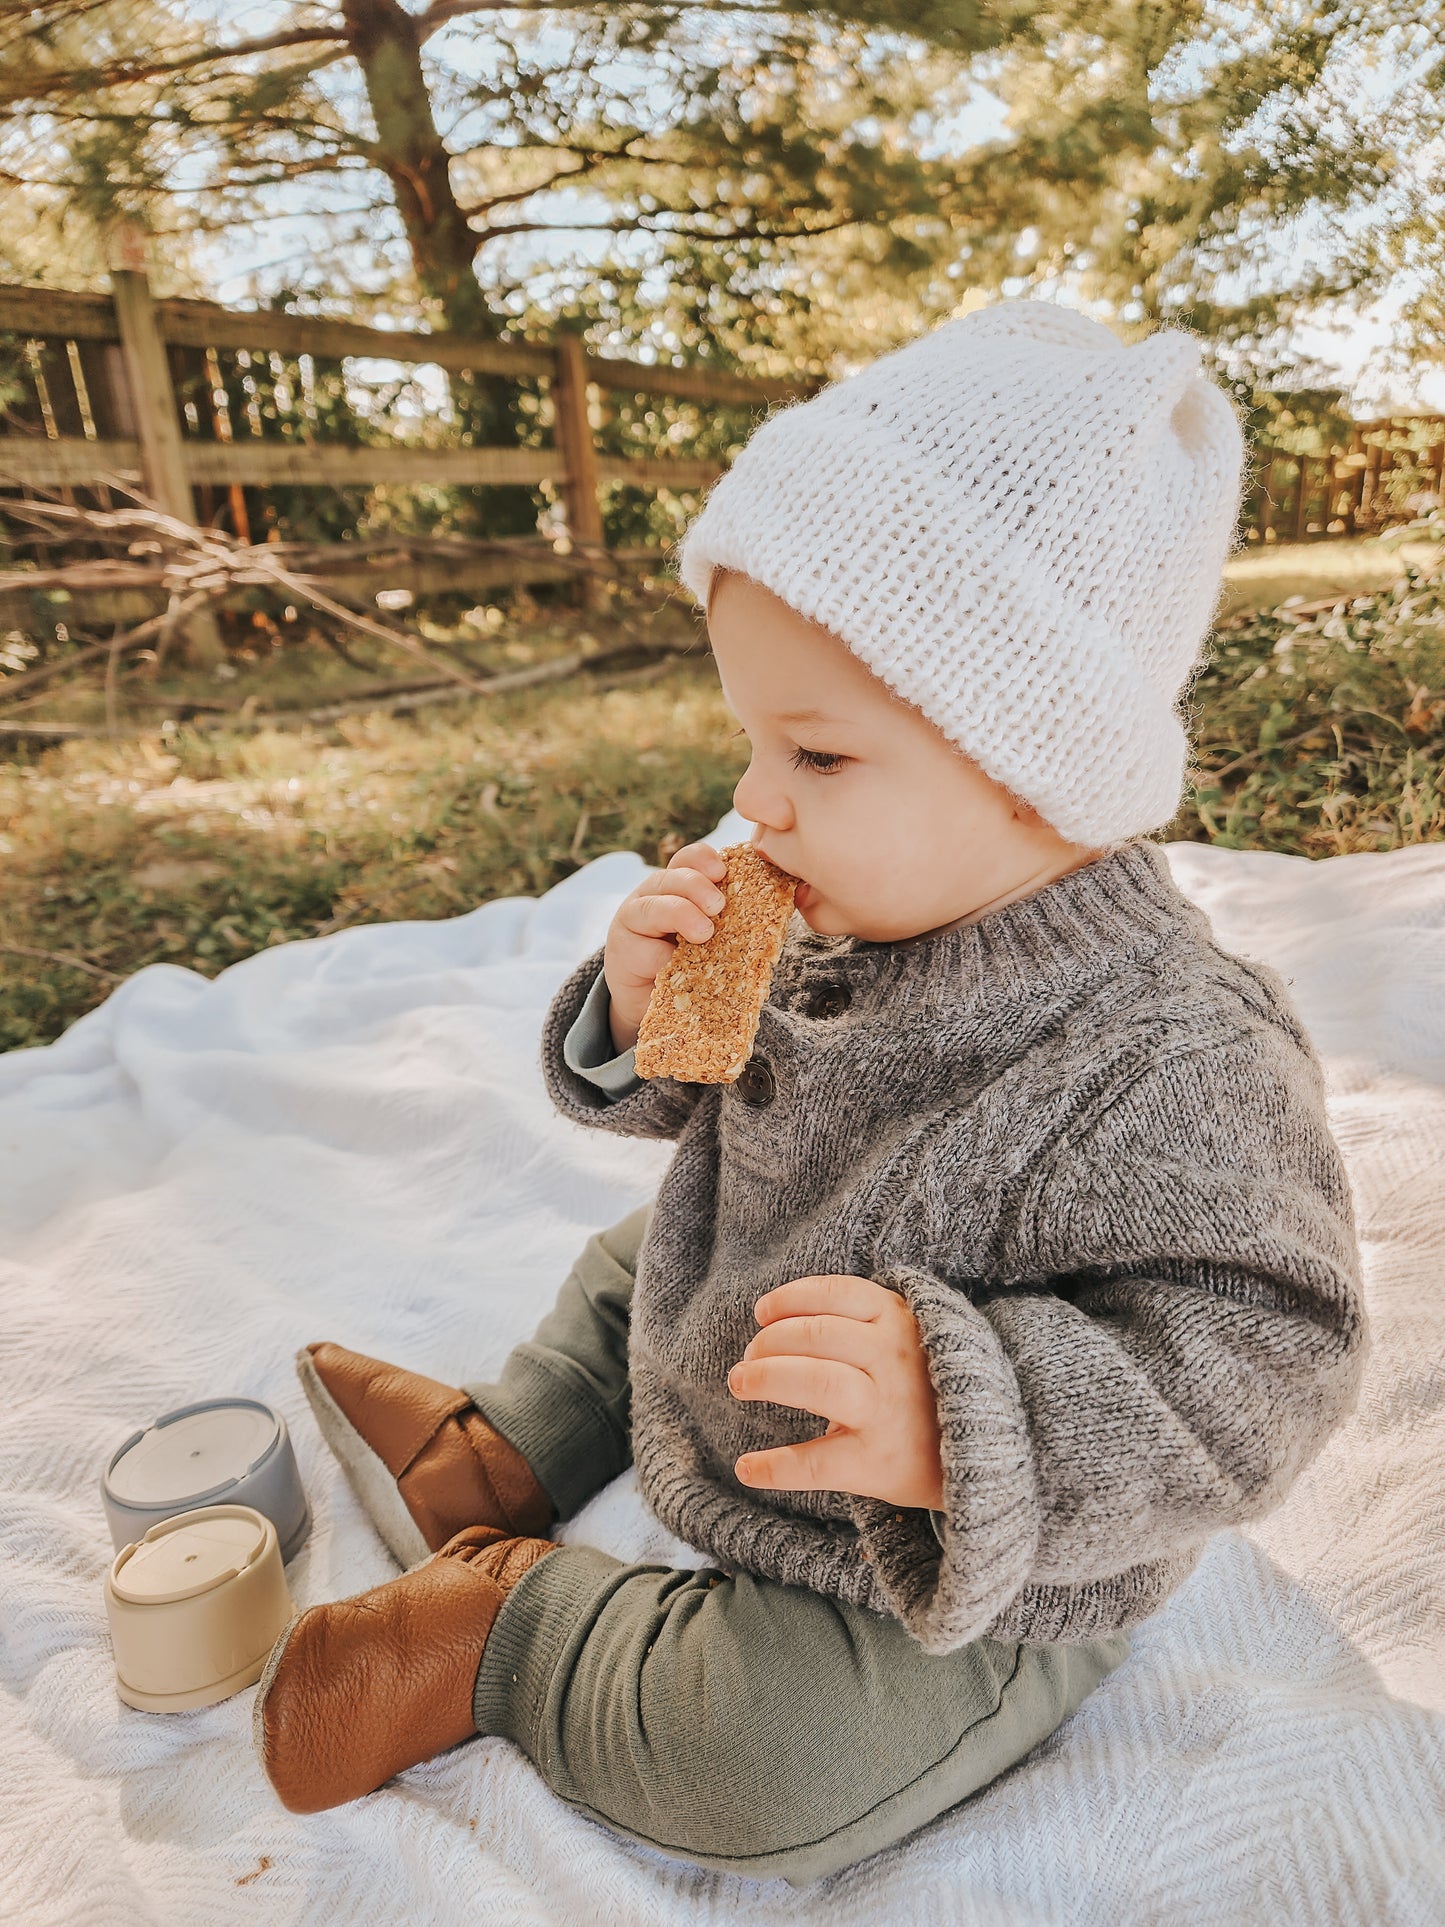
pixel 1369 484
pixel 1266 500
pixel 157 420
pixel 574 438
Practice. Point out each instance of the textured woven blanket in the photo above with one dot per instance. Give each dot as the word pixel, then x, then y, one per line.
pixel 350 1139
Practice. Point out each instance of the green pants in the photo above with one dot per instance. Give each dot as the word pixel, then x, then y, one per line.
pixel 728 1720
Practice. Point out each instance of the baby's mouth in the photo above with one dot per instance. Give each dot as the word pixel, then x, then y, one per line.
pixel 803 890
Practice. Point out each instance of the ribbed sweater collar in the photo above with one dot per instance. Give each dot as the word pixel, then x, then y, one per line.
pixel 1123 905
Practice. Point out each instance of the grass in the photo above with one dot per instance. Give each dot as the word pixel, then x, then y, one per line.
pixel 198 848
pixel 1265 578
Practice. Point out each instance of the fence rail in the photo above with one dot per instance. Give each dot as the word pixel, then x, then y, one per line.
pixel 196 404
pixel 125 385
pixel 192 402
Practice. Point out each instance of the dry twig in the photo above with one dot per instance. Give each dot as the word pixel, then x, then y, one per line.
pixel 60 957
pixel 198 567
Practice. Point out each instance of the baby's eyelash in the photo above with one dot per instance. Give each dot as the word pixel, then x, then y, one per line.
pixel 822 762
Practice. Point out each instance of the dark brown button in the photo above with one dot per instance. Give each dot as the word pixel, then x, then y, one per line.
pixel 755 1082
pixel 830 1001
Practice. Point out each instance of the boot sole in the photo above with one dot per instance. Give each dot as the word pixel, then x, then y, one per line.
pixel 263 1685
pixel 372 1483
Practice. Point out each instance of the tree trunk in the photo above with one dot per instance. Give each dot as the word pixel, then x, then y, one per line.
pixel 414 157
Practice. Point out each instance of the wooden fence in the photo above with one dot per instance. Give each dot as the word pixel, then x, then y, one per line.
pixel 1389 472
pixel 183 398
pixel 204 408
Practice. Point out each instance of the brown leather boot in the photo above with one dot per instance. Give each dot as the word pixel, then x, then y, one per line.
pixel 423 1460
pixel 362 1688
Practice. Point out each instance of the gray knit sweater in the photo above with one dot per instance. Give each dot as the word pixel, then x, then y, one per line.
pixel 1090 1149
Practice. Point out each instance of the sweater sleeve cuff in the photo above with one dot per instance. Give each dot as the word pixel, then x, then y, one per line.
pixel 949 1574
pixel 587 1047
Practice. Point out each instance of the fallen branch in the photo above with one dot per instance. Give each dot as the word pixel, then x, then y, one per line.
pixel 203 564
pixel 14 687
pixel 381 557
pixel 41 734
pixel 196 567
pixel 425 695
pixel 390 699
pixel 60 957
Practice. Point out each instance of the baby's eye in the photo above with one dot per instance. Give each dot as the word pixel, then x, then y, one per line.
pixel 821 762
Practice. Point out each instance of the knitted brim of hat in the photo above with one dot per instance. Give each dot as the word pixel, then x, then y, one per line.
pixel 911 627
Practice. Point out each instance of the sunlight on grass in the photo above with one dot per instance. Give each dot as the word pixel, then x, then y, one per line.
pixel 1263 578
pixel 206 848
pixel 1315 736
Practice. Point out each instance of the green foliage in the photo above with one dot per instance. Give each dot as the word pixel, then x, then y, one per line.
pixel 1306 421
pixel 1325 735
pixel 784 191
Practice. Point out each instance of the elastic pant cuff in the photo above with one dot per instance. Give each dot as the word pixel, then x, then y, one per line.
pixel 551 1607
pixel 561 1433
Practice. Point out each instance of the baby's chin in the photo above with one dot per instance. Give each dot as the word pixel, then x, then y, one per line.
pixel 819 914
pixel 808 901
pixel 830 921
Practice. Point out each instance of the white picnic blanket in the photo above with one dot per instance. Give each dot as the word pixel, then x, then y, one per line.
pixel 350 1139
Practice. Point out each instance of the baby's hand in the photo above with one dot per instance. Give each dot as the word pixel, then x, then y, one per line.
pixel 849 1350
pixel 679 901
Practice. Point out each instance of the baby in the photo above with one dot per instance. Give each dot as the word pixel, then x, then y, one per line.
pixel 1018 1260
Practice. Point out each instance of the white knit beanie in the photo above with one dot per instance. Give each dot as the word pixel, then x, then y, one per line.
pixel 1019 524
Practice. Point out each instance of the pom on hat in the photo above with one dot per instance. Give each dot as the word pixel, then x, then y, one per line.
pixel 1019 523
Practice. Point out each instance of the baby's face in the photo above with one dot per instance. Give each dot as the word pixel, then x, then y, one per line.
pixel 893 831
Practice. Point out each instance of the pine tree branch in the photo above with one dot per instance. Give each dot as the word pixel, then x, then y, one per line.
pixel 749 233
pixel 36 85
pixel 591 157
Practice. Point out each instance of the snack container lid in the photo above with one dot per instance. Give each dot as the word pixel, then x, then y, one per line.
pixel 192 1453
pixel 213 1451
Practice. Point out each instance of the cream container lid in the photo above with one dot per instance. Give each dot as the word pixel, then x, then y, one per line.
pixel 195 1607
pixel 183 1557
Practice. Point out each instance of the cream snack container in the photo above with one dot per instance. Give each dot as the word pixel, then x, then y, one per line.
pixel 217 1451
pixel 195 1608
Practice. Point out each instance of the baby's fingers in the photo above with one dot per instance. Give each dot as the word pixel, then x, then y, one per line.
pixel 855 1341
pixel 816 1465
pixel 699 856
pixel 825 1386
pixel 667 916
pixel 838 1293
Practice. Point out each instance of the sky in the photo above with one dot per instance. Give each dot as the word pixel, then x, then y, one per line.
pixel 243 265
pixel 1359 349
